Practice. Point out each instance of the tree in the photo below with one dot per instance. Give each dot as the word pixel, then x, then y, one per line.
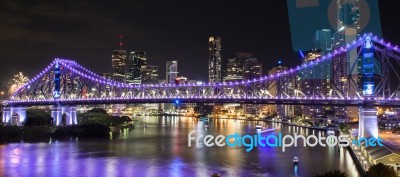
pixel 94 118
pixel 38 117
pixel 381 170
pixel 17 81
pixel 334 173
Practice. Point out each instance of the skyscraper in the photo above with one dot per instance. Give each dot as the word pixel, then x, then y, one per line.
pixel 251 68
pixel 323 45
pixel 118 65
pixel 313 82
pixel 241 66
pixel 345 77
pixel 135 65
pixel 257 70
pixel 348 14
pixel 323 40
pixel 278 88
pixel 234 69
pixel 214 59
pixel 150 74
pixel 171 71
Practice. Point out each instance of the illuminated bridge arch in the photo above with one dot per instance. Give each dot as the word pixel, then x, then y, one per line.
pixel 65 82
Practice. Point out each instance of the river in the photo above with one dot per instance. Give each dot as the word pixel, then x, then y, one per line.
pixel 161 149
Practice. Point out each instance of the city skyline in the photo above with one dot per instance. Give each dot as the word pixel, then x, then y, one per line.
pixel 135 80
pixel 191 52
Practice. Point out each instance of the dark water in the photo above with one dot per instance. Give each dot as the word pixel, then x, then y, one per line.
pixel 162 149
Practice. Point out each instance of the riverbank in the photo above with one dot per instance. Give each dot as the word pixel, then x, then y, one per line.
pixel 245 119
pixel 357 163
pixel 303 126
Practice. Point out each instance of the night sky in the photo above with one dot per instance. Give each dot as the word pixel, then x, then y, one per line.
pixel 33 33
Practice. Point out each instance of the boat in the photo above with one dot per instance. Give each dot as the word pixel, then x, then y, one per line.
pixel 205 119
pixel 295 160
pixel 265 130
pixel 258 126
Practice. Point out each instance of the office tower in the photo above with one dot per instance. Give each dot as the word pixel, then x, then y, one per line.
pixel 278 88
pixel 150 74
pixel 256 70
pixel 171 71
pixel 323 45
pixel 235 66
pixel 313 83
pixel 135 65
pixel 118 65
pixel 348 14
pixel 346 78
pixel 247 66
pixel 323 40
pixel 341 63
pixel 251 68
pixel 234 69
pixel 214 59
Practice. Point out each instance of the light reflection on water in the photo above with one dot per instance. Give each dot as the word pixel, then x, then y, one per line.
pixel 161 150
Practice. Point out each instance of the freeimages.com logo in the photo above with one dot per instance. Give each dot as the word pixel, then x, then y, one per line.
pixel 277 140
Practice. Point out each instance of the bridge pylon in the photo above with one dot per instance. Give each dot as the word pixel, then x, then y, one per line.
pixel 64 115
pixel 14 115
pixel 368 117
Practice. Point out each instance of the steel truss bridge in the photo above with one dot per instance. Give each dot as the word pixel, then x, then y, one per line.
pixel 65 84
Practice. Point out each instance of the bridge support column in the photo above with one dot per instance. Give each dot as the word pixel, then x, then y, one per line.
pixel 57 112
pixel 70 115
pixel 368 122
pixel 14 115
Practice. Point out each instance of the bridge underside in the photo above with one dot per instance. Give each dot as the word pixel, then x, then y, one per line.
pixel 62 115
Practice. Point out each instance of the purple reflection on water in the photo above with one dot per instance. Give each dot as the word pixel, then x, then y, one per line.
pixel 161 150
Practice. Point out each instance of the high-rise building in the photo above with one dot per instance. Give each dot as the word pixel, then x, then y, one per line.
pixel 214 59
pixel 278 88
pixel 257 71
pixel 341 63
pixel 242 66
pixel 119 65
pixel 134 68
pixel 313 83
pixel 323 40
pixel 171 71
pixel 234 69
pixel 346 78
pixel 251 68
pixel 150 74
pixel 348 14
